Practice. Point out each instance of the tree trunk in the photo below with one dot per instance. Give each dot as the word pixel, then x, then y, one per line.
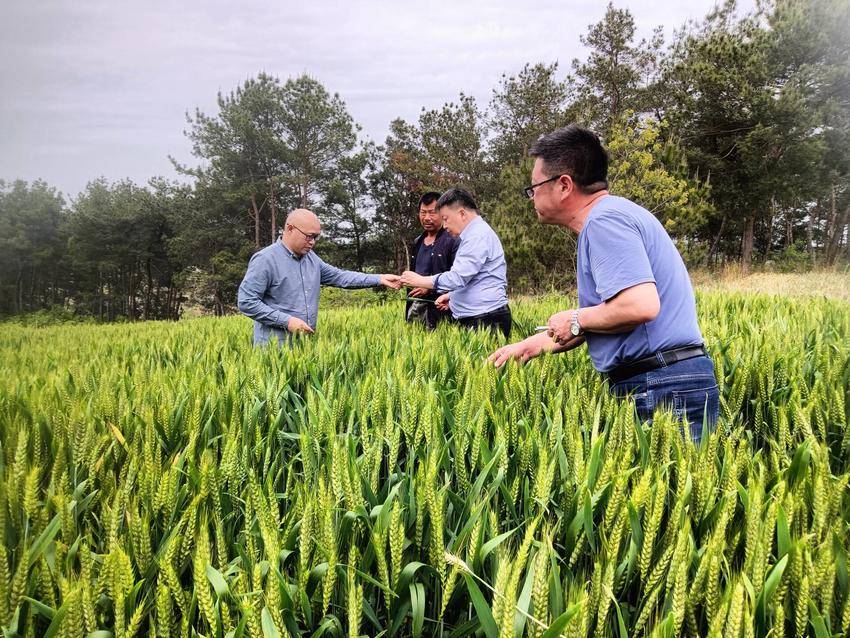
pixel 32 305
pixel 747 244
pixel 174 304
pixel 19 290
pixel 789 231
pixel 769 237
pixel 835 230
pixel 256 216
pixel 148 289
pixel 157 309
pixel 273 206
pixel 713 250
pixel 358 251
pixel 99 294
pixel 132 306
pixel 305 186
pixel 810 236
pixel 218 304
pixel 169 302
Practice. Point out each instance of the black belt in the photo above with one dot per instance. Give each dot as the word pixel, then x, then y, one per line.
pixel 492 313
pixel 658 360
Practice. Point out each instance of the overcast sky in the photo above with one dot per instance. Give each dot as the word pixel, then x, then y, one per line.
pixel 94 88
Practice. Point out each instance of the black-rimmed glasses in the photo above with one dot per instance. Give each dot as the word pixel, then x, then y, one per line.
pixel 309 236
pixel 529 190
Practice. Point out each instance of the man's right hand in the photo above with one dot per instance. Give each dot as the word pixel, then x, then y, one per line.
pixel 418 292
pixel 296 325
pixel 522 351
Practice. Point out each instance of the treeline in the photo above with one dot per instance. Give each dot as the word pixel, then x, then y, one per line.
pixel 735 134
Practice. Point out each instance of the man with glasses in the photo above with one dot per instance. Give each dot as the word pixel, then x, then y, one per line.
pixel 636 312
pixel 475 289
pixel 280 291
pixel 433 252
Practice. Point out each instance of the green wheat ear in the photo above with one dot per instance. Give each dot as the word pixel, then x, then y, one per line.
pixel 169 479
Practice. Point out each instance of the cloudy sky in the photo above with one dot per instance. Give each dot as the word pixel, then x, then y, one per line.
pixel 94 88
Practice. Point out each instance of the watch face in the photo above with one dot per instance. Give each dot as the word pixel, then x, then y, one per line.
pixel 574 328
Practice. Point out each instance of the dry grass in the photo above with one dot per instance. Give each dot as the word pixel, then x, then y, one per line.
pixel 828 283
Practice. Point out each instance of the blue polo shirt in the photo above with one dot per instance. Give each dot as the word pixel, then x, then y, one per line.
pixel 623 245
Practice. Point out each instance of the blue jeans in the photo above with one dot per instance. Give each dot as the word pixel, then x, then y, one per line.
pixel 689 387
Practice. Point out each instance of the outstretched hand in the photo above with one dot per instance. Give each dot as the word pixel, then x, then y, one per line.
pixel 410 278
pixel 522 351
pixel 391 281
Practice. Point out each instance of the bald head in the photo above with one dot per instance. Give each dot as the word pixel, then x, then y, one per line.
pixel 300 231
pixel 302 217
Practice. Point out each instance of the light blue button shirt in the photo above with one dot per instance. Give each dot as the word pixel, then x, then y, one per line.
pixel 278 285
pixel 478 279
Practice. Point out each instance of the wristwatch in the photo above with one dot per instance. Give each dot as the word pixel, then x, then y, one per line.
pixel 575 326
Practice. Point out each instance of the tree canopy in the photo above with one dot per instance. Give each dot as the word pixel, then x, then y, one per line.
pixel 734 134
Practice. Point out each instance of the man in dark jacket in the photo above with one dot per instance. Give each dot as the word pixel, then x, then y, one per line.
pixel 433 252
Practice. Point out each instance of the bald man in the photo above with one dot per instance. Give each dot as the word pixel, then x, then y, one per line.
pixel 280 291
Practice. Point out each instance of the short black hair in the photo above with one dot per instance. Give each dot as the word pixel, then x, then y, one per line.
pixel 577 152
pixel 457 197
pixel 429 198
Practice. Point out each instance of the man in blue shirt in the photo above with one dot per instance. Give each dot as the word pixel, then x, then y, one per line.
pixel 433 252
pixel 476 286
pixel 637 312
pixel 280 291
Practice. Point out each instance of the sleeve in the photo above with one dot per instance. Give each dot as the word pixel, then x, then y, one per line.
pixel 332 276
pixel 468 261
pixel 251 292
pixel 618 257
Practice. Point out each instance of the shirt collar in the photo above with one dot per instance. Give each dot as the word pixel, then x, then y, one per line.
pixel 286 250
pixel 470 225
pixel 439 234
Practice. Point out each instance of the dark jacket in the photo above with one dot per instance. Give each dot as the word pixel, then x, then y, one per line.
pixel 442 257
pixel 442 252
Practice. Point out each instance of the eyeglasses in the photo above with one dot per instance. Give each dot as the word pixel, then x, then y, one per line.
pixel 308 236
pixel 529 190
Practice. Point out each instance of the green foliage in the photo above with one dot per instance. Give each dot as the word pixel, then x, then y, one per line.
pixel 452 144
pixel 792 259
pixel 617 75
pixel 735 136
pixel 31 242
pixel 539 257
pixel 116 238
pixel 524 107
pixel 753 101
pixel 55 315
pixel 648 167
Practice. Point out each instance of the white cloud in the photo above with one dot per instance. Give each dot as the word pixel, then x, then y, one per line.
pixel 94 88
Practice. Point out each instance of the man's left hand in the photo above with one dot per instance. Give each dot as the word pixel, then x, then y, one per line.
pixel 415 280
pixel 391 281
pixel 559 326
pixel 442 302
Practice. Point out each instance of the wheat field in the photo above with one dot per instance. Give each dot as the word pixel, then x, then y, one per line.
pixel 167 479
